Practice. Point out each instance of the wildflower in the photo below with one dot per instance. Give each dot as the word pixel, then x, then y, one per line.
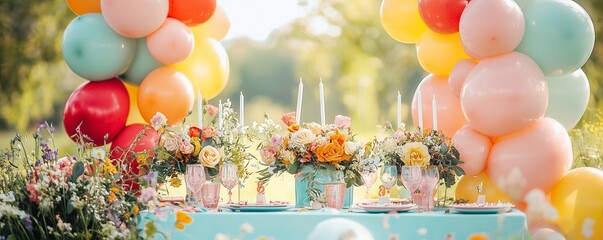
pixel 98 153
pixel 150 177
pixel 158 121
pixel 182 218
pixel 108 167
pixel 175 182
pixel 147 194
pixel 136 210
pixel 111 198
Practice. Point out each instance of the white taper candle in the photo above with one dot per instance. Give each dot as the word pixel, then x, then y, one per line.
pixel 220 115
pixel 322 103
pixel 242 110
pixel 300 93
pixel 399 109
pixel 199 109
pixel 420 109
pixel 434 113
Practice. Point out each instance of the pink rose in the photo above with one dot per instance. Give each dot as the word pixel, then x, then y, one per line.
pixel 208 132
pixel 186 147
pixel 342 122
pixel 158 120
pixel 211 110
pixel 288 118
pixel 276 140
pixel 268 154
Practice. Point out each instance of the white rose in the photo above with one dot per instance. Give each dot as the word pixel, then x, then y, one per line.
pixel 302 137
pixel 351 147
pixel 287 155
pixel 171 144
pixel 210 156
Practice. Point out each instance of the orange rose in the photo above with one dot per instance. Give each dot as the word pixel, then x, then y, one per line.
pixel 337 136
pixel 194 132
pixel 293 128
pixel 332 152
pixel 208 132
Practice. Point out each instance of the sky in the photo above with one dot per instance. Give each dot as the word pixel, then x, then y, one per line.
pixel 256 19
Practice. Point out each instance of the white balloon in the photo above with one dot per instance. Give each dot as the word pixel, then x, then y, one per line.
pixel 340 228
pixel 568 98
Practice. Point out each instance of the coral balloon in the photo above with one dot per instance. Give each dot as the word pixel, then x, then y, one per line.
pixel 94 51
pixel 80 7
pixel 474 149
pixel 559 35
pixel 401 20
pixel 535 157
pixel 459 73
pixel 431 49
pixel 171 43
pixel 134 114
pixel 135 18
pixel 216 27
pixel 207 68
pixel 504 94
pixel 578 197
pixel 192 12
pixel 98 110
pixel 490 28
pixel 442 16
pixel 466 188
pixel 133 139
pixel 449 111
pixel 142 64
pixel 167 91
pixel 568 98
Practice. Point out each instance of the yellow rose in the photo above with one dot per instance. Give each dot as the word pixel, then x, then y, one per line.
pixel 315 128
pixel 332 152
pixel 417 154
pixel 302 137
pixel 210 156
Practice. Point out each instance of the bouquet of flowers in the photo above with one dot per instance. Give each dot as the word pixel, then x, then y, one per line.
pixel 220 139
pixel 403 147
pixel 43 196
pixel 308 148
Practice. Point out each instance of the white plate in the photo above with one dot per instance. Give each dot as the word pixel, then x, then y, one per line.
pixel 481 209
pixel 259 208
pixel 388 208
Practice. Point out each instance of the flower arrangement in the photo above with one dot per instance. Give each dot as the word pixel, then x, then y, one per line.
pixel 402 147
pixel 220 139
pixel 308 148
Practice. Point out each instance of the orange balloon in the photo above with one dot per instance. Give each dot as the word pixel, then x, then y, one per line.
pixel 134 116
pixel 216 27
pixel 450 115
pixel 578 197
pixel 80 7
pixel 467 188
pixel 438 53
pixel 167 91
pixel 207 67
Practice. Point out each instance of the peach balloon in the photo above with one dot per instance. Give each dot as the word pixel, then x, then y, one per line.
pixel 134 18
pixel 216 27
pixel 466 188
pixel 449 111
pixel 402 21
pixel 171 43
pixel 459 73
pixel 168 91
pixel 134 116
pixel 80 7
pixel 578 197
pixel 207 68
pixel 491 27
pixel 474 148
pixel 539 155
pixel 547 234
pixel 504 94
pixel 437 53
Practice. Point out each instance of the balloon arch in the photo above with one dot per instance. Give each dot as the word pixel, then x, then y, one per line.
pixel 507 74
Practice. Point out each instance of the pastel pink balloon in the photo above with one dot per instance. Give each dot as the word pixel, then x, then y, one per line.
pixel 450 116
pixel 134 18
pixel 541 153
pixel 491 27
pixel 473 148
pixel 171 43
pixel 458 75
pixel 504 94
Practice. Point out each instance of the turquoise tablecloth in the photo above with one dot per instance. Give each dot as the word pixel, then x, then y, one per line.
pixel 293 225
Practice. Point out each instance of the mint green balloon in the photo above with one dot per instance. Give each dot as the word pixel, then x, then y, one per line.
pixel 142 64
pixel 559 36
pixel 568 98
pixel 94 51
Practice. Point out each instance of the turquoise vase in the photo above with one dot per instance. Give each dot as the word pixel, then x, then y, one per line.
pixel 322 176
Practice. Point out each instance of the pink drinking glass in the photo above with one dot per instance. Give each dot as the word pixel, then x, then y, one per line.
pixel 195 178
pixel 229 177
pixel 335 193
pixel 368 179
pixel 411 178
pixel 429 179
pixel 210 193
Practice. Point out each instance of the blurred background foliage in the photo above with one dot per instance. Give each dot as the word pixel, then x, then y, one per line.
pixel 340 41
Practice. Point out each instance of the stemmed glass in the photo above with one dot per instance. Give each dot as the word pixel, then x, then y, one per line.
pixel 195 178
pixel 229 177
pixel 411 177
pixel 389 176
pixel 368 179
pixel 429 178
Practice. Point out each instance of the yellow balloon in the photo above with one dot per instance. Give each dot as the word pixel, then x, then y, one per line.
pixel 207 67
pixel 80 7
pixel 134 116
pixel 402 21
pixel 467 189
pixel 578 197
pixel 438 53
pixel 216 27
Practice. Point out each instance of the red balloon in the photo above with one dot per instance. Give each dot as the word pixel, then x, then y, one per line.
pixel 192 12
pixel 98 109
pixel 442 16
pixel 125 155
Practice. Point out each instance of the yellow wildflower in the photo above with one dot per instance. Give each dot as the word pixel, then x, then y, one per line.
pixel 114 189
pixel 175 182
pixel 142 157
pixel 108 167
pixel 182 218
pixel 136 210
pixel 112 198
